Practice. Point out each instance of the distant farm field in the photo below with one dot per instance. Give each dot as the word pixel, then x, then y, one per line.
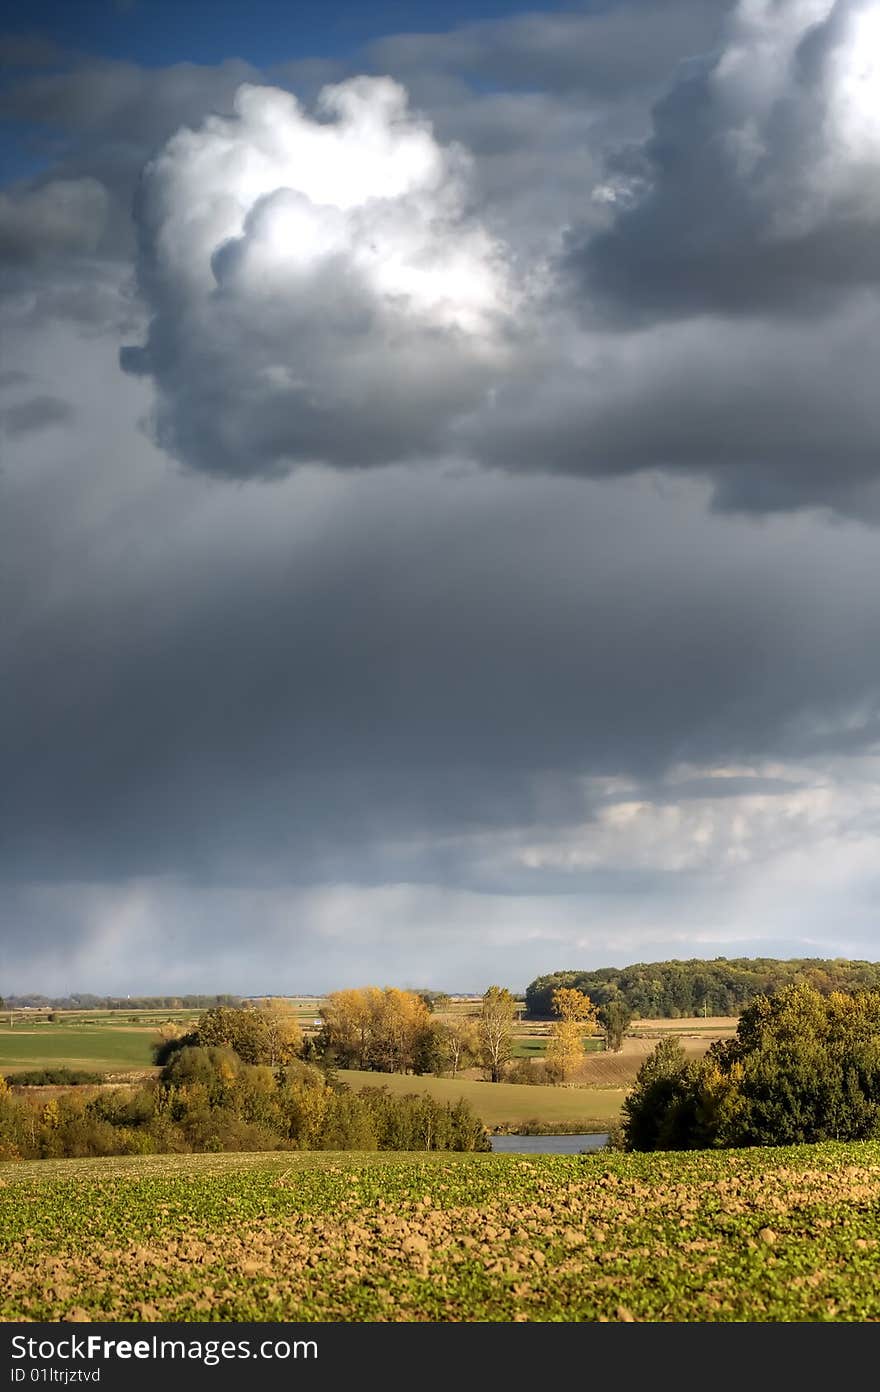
pixel 772 1235
pixel 506 1104
pixel 97 1048
pixel 714 1026
pixel 619 1069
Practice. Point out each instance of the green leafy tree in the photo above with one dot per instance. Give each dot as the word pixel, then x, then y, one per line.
pixel 659 1113
pixel 257 1036
pixel 615 1018
pixel 802 1067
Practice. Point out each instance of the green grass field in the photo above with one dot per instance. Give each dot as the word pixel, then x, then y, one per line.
pixel 506 1104
pixel 98 1048
pixel 102 1041
pixel 769 1235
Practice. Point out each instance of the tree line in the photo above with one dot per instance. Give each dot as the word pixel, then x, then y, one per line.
pixel 86 1001
pixel 392 1031
pixel 373 1029
pixel 386 1030
pixel 722 986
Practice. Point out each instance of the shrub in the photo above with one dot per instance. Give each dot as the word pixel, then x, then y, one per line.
pixel 256 1035
pixel 660 1111
pixel 54 1077
pixel 520 1071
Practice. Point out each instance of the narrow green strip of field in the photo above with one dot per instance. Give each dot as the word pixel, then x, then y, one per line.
pixel 761 1235
pixel 506 1104
pixel 535 1045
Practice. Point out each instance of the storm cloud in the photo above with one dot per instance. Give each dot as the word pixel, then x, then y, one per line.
pixel 775 418
pixel 474 572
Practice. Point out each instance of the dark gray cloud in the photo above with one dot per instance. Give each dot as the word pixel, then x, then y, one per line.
pixel 99 121
pixel 398 717
pixel 89 97
pixel 632 46
pixel 37 413
pixel 33 50
pixel 60 218
pixel 384 672
pixel 775 417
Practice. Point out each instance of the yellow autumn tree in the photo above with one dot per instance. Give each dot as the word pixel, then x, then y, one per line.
pixel 401 1023
pixel 348 1024
pixel 575 1016
pixel 387 1030
pixel 283 1035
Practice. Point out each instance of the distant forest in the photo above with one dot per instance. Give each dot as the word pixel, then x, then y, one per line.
pixel 722 986
pixel 84 1001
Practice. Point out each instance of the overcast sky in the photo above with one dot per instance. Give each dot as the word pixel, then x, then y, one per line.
pixel 439 490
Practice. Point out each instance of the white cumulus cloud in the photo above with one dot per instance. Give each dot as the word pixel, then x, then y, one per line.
pixel 320 290
pixel 759 187
pixel 800 86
